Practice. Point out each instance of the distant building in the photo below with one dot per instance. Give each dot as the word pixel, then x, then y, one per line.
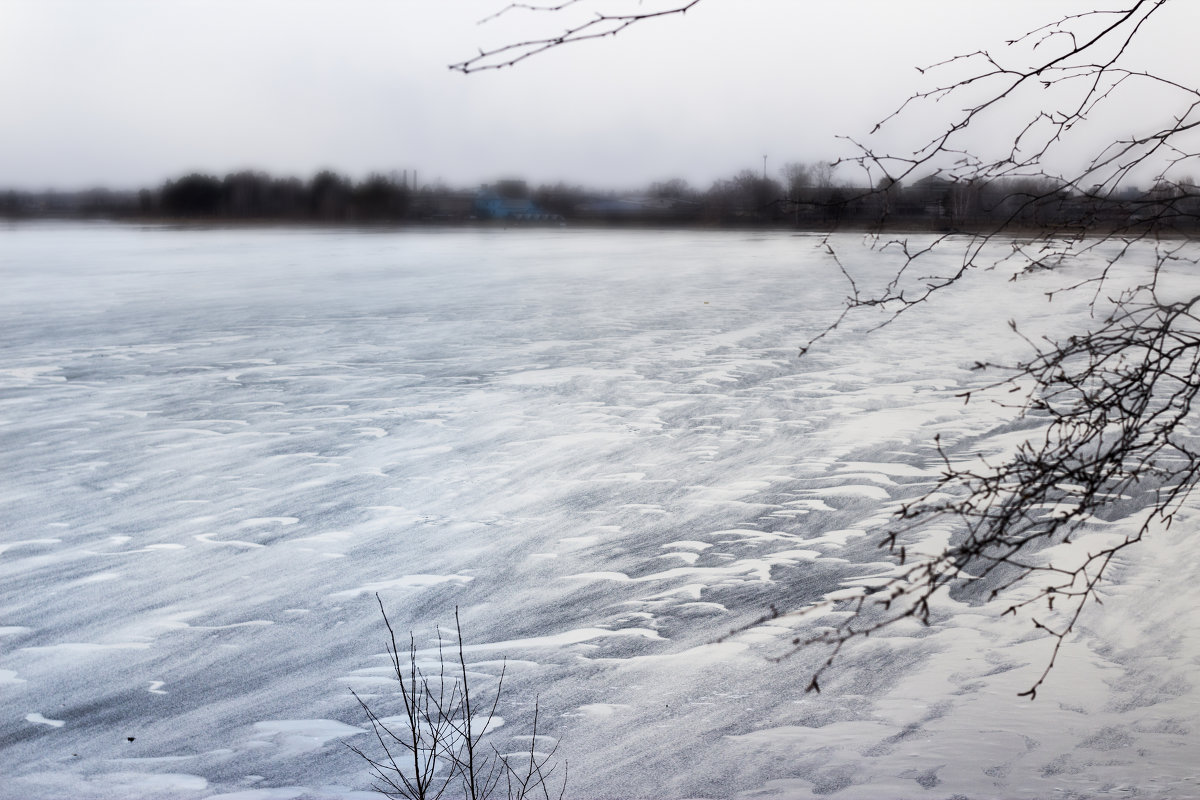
pixel 509 200
pixel 445 204
pixel 638 208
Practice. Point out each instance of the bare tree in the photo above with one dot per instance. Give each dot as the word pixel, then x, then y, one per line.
pixel 796 176
pixel 1113 403
pixel 417 761
pixel 822 174
pixel 437 744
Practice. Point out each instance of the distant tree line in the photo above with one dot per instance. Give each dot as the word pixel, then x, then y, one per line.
pixel 328 196
pixel 805 196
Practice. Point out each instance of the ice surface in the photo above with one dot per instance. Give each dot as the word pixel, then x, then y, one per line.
pixel 218 445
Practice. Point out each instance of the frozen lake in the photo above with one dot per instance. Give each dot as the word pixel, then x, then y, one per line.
pixel 216 446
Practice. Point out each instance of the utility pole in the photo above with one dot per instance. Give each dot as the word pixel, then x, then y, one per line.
pixel 764 169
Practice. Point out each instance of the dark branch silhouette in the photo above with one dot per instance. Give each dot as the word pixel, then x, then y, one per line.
pixel 1111 406
pixel 598 26
pixel 437 743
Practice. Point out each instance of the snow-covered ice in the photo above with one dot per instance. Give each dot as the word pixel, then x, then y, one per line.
pixel 218 445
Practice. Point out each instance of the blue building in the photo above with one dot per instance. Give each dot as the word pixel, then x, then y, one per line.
pixel 509 201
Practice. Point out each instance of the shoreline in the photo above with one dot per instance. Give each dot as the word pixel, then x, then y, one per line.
pixel 898 227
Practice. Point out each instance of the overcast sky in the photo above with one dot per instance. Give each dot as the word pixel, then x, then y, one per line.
pixel 128 92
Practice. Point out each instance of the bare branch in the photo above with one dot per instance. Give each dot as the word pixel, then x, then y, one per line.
pixel 440 736
pixel 599 26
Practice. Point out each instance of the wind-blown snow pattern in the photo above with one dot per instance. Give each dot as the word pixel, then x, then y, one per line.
pixel 217 446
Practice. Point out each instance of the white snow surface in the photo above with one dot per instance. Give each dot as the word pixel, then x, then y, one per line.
pixel 218 445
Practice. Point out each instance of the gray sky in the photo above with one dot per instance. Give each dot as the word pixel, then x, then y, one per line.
pixel 129 92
